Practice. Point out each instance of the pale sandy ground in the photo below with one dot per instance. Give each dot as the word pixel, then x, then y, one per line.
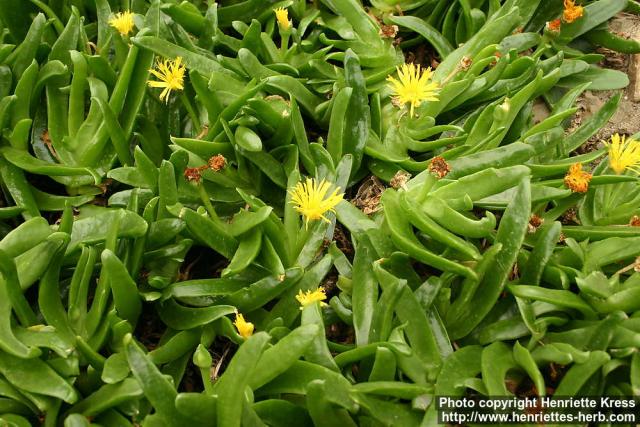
pixel 627 118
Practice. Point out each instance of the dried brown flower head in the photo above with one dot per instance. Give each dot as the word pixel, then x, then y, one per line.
pixel 217 162
pixel 439 167
pixel 400 179
pixel 388 31
pixel 534 223
pixel 193 175
pixel 554 25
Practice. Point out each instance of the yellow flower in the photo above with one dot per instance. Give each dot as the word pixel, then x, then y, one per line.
pixel 171 76
pixel 624 154
pixel 245 329
pixel 309 297
pixel 309 199
pixel 123 22
pixel 413 86
pixel 282 16
pixel 571 11
pixel 576 179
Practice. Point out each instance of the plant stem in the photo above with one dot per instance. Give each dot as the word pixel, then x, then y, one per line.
pixel 191 111
pixel 284 42
pixel 207 203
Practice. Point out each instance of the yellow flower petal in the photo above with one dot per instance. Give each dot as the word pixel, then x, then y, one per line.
pixel 153 83
pixel 282 16
pixel 310 199
pixel 413 86
pixel 123 22
pixel 170 75
pixel 309 297
pixel 245 329
pixel 624 154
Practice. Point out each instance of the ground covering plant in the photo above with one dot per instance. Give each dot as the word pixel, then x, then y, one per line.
pixel 277 213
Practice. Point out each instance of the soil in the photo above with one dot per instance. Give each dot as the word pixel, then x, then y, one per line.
pixel 627 119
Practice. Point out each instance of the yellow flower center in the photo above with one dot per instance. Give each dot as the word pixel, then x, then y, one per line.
pixel 245 329
pixel 571 11
pixel 309 198
pixel 282 16
pixel 576 179
pixel 170 76
pixel 413 86
pixel 309 297
pixel 623 154
pixel 123 22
